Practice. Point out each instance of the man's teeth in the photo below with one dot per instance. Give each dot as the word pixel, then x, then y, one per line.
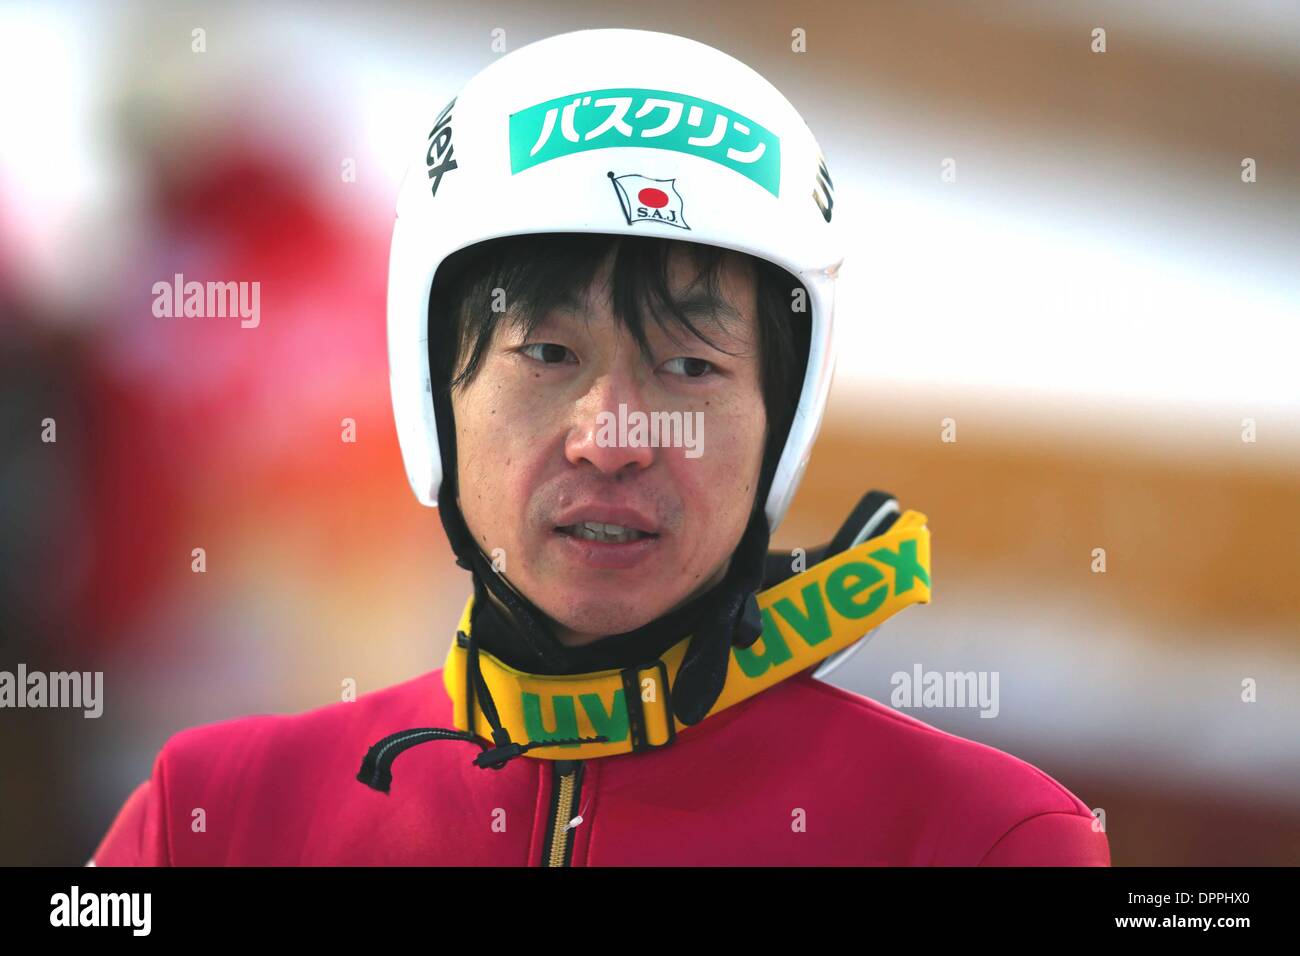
pixel 598 531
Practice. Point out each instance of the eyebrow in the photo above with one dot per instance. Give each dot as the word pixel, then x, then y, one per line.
pixel 698 304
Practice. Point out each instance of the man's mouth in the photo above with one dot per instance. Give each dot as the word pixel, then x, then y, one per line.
pixel 603 532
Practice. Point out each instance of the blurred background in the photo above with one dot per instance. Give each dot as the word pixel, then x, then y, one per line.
pixel 1096 303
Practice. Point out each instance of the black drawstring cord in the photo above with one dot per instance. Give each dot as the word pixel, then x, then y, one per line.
pixel 376 768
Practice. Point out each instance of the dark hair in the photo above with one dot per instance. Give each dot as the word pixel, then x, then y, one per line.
pixel 540 272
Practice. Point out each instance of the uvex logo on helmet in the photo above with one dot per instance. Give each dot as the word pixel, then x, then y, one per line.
pixel 439 159
pixel 822 190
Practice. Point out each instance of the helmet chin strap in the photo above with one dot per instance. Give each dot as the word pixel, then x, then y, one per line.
pixel 537 646
pixel 733 618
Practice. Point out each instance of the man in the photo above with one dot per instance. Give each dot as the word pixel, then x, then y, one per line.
pixel 609 329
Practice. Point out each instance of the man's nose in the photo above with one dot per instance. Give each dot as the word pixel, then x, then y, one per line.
pixel 601 432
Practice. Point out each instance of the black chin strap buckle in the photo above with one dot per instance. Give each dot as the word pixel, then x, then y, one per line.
pixel 636 722
pixel 497 757
pixel 504 751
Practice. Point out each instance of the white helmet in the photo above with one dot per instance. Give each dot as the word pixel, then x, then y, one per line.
pixel 619 132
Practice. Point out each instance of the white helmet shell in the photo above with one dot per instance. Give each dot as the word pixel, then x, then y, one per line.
pixel 561 136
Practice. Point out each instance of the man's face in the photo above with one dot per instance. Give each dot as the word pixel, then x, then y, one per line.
pixel 535 464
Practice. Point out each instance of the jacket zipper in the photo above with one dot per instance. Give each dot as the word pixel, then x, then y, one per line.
pixel 564 800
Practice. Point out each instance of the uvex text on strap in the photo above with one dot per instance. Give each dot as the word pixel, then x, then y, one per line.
pixel 806 618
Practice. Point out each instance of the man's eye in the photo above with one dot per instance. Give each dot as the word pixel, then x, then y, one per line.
pixel 546 352
pixel 689 366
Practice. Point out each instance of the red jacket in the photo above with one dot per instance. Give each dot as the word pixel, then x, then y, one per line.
pixel 802 773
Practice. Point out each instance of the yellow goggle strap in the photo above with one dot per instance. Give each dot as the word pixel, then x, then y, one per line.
pixel 806 618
